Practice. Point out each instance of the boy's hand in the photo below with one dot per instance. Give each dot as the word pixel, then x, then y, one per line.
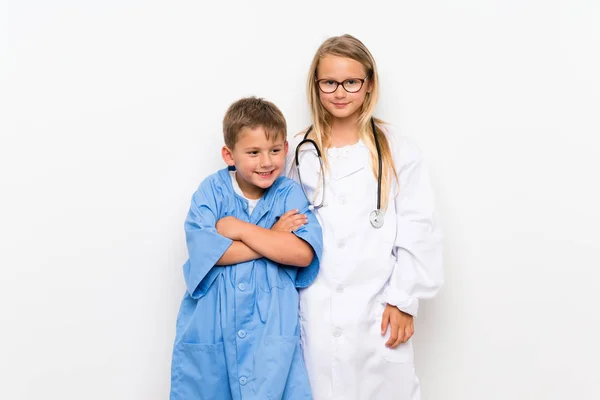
pixel 402 325
pixel 290 221
pixel 230 227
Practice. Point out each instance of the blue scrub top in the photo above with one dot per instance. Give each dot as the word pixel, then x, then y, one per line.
pixel 237 330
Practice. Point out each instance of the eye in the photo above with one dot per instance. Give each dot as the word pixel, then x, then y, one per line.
pixel 329 83
pixel 351 81
pixel 253 153
pixel 275 151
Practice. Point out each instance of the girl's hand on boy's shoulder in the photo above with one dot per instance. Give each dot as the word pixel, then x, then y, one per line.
pixel 230 227
pixel 290 221
pixel 402 326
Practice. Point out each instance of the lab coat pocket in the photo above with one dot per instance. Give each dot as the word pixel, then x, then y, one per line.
pixel 400 355
pixel 403 353
pixel 200 372
pixel 272 364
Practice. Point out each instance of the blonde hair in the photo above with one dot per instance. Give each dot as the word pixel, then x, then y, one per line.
pixel 350 47
pixel 252 112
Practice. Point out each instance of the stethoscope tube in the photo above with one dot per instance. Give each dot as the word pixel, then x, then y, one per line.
pixel 380 162
pixel 376 216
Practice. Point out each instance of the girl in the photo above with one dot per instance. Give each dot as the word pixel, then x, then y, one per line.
pixel 382 247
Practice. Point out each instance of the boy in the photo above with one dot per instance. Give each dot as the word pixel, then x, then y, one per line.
pixel 237 330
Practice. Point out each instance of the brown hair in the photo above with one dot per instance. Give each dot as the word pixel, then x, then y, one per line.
pixel 252 112
pixel 350 47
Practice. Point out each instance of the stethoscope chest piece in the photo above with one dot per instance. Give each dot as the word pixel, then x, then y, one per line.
pixel 376 218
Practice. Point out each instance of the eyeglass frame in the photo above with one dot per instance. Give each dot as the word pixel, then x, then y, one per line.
pixel 337 84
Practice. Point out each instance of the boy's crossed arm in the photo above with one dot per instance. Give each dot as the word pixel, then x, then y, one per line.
pixel 277 244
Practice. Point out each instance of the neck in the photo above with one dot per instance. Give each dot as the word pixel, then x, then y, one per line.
pixel 249 191
pixel 344 132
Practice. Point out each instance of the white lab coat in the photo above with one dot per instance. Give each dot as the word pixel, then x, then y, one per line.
pixel 363 268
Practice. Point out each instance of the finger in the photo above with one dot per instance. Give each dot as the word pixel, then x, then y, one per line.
pixel 401 337
pixel 408 333
pixel 385 320
pixel 292 221
pixel 291 226
pixel 393 335
pixel 296 227
pixel 289 214
pixel 300 220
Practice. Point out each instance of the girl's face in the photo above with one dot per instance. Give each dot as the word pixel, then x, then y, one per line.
pixel 341 104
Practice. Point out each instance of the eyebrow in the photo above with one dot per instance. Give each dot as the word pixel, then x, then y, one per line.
pixel 333 79
pixel 258 148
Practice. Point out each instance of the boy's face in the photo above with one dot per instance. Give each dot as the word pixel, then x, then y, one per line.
pixel 258 161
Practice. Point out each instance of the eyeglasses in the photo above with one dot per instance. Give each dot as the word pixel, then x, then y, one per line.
pixel 351 85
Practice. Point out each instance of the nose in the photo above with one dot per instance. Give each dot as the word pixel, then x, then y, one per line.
pixel 265 160
pixel 340 92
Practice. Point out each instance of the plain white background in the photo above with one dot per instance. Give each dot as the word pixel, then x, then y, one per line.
pixel 111 116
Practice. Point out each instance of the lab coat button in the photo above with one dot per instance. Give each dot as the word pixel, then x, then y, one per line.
pixel 342 200
pixel 341 243
pixel 339 289
pixel 242 287
pixel 242 334
pixel 337 332
pixel 243 380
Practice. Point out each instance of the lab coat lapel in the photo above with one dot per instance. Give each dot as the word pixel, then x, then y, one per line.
pixel 345 161
pixel 345 167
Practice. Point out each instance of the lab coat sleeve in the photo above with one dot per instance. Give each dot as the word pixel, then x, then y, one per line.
pixel 205 245
pixel 418 272
pixel 311 233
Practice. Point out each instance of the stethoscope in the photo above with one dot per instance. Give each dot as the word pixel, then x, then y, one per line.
pixel 376 216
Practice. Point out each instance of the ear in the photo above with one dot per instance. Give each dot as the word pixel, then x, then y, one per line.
pixel 227 155
pixel 285 148
pixel 369 85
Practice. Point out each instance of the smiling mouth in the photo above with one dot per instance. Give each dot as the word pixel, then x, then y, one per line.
pixel 265 174
pixel 340 104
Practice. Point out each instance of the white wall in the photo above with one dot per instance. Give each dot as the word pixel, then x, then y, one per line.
pixel 110 116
